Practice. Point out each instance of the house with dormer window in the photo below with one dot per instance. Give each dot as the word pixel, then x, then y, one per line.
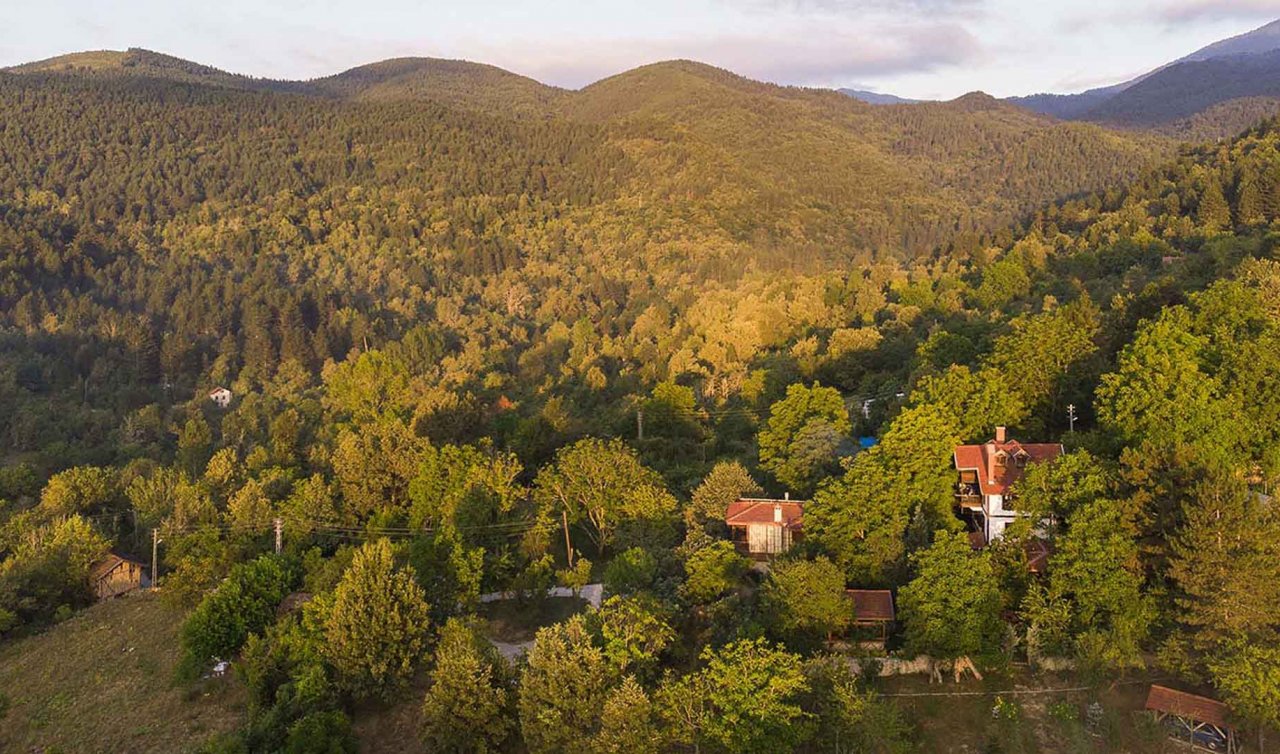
pixel 987 473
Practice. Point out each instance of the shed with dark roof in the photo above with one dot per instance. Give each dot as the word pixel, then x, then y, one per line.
pixel 1200 721
pixel 117 574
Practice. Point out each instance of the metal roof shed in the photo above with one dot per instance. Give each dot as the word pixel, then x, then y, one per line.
pixel 1204 721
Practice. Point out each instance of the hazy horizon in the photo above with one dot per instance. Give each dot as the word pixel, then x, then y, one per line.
pixel 924 49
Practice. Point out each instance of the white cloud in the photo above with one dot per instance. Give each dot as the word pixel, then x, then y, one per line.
pixel 806 54
pixel 1193 11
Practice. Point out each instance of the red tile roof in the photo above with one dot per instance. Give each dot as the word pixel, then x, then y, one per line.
pixel 1182 704
pixel 871 604
pixel 993 478
pixel 746 511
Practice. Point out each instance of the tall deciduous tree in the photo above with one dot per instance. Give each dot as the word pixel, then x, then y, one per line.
pixel 753 694
pixel 803 436
pixel 1096 568
pixel 600 484
pixel 951 608
pixel 712 571
pixel 807 597
pixel 634 632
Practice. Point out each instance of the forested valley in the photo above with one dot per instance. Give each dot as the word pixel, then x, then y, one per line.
pixel 471 348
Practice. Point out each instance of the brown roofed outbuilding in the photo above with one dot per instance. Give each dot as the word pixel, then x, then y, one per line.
pixel 1182 704
pixel 871 606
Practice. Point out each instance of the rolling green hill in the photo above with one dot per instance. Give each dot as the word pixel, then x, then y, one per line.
pixel 449 82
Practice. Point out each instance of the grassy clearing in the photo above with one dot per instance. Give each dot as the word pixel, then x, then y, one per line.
pixel 103 682
pixel 1037 723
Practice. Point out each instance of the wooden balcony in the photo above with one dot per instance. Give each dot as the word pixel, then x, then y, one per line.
pixel 968 495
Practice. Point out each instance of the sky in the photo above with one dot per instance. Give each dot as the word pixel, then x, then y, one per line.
pixel 927 49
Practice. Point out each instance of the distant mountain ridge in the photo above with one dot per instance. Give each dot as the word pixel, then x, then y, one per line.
pixel 877 98
pixel 815 170
pixel 1242 67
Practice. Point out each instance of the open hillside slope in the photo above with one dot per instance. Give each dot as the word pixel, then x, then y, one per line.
pixel 145 64
pixel 102 682
pixel 1184 89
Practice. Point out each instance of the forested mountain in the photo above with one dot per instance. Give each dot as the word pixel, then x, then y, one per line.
pixel 467 347
pixel 195 231
pixel 450 82
pixel 1213 92
pixel 1182 90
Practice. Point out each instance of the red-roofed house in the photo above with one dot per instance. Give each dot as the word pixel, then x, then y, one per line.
pixel 988 471
pixel 762 528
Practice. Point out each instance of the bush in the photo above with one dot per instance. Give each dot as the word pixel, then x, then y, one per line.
pixel 244 604
pixel 224 743
pixel 321 733
pixel 632 571
pixel 8 620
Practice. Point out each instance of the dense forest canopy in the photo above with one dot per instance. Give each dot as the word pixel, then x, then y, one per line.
pixel 476 350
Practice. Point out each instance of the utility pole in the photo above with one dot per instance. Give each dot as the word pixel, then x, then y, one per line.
pixel 155 551
pixel 640 424
pixel 568 549
pixel 1071 415
pixel 279 535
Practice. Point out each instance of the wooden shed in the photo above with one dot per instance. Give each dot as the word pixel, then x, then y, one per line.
pixel 872 607
pixel 116 574
pixel 1196 720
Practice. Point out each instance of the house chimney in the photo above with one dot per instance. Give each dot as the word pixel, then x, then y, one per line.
pixel 786 496
pixel 1001 434
pixel 777 513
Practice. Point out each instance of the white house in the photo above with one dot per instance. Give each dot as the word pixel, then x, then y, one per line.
pixel 987 474
pixel 220 396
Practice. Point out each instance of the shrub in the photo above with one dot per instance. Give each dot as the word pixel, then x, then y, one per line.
pixel 630 572
pixel 321 733
pixel 244 604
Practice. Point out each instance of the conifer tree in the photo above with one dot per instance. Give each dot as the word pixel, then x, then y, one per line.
pixel 466 708
pixel 1213 214
pixel 377 627
pixel 563 690
pixel 627 724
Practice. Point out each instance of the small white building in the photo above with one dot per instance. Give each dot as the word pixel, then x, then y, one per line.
pixel 220 396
